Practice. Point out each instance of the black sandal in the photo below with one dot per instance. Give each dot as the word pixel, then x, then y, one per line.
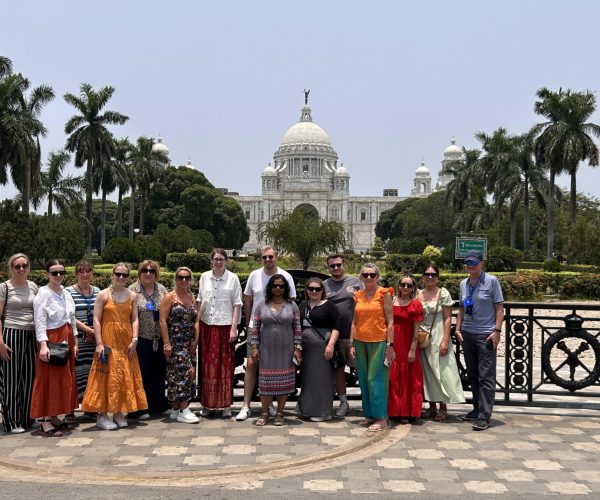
pixel 53 432
pixel 65 426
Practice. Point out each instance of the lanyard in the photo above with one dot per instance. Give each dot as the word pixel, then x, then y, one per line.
pixel 149 298
pixel 474 287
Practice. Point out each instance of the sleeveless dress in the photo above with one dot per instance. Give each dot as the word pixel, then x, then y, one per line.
pixel 180 386
pixel 405 396
pixel 115 387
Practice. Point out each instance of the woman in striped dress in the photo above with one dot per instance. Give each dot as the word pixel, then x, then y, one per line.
pixel 84 295
pixel 17 345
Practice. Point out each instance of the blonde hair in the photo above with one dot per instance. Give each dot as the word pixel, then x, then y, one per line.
pixel 268 247
pixel 121 264
pixel 12 259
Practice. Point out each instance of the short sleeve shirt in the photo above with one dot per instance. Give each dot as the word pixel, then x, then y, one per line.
pixel 486 293
pixel 218 297
pixel 257 282
pixel 341 293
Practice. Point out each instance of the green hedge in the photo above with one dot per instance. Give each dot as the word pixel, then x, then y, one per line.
pixel 197 262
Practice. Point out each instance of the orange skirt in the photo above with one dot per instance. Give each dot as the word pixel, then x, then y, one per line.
pixel 55 387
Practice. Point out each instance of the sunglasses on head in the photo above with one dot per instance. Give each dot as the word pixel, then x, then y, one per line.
pixel 277 285
pixel 181 277
pixel 58 273
pixel 149 270
pixel 20 267
pixel 121 275
pixel 430 275
pixel 405 285
pixel 335 266
pixel 471 262
pixel 369 275
pixel 314 288
pixel 268 257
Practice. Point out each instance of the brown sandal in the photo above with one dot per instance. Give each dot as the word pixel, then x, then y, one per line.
pixel 262 420
pixel 279 421
pixel 429 413
pixel 442 416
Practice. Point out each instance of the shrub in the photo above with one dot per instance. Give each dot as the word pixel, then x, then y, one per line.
pixel 407 263
pixel 434 254
pixel 197 262
pixel 502 258
pixel 406 246
pixel 552 266
pixel 148 247
pixel 121 250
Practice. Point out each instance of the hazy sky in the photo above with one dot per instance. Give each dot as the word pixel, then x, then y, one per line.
pixel 391 82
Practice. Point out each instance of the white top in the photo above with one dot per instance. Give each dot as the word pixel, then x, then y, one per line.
pixel 257 281
pixel 218 297
pixel 52 310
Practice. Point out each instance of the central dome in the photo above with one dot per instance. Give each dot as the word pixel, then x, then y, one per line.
pixel 305 133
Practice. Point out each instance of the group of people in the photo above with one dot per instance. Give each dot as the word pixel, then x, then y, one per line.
pixel 132 351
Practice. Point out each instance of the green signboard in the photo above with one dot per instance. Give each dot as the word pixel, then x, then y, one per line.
pixel 464 245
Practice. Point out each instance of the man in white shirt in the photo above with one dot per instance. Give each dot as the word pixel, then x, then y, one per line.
pixel 253 295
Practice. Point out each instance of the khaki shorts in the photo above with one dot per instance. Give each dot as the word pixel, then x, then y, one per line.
pixel 345 347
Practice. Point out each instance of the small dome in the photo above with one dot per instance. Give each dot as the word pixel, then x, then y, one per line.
pixel 160 146
pixel 269 170
pixel 189 165
pixel 422 170
pixel 341 171
pixel 453 151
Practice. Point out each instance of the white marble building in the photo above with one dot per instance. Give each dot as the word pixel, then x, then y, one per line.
pixel 305 171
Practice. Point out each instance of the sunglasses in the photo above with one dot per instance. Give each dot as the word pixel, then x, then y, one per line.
pixel 471 262
pixel 121 275
pixel 149 270
pixel 58 273
pixel 430 275
pixel 277 285
pixel 180 277
pixel 20 267
pixel 314 288
pixel 369 275
pixel 335 266
pixel 405 285
pixel 268 257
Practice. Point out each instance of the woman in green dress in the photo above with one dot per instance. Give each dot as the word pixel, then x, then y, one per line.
pixel 441 381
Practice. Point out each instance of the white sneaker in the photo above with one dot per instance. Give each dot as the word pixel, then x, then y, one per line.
pixel 173 414
pixel 144 416
pixel 104 423
pixel 226 413
pixel 272 410
pixel 17 430
pixel 120 420
pixel 244 413
pixel 320 419
pixel 187 417
pixel 205 412
pixel 343 409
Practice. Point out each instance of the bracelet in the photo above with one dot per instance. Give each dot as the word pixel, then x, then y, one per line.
pixel 167 345
pixel 298 346
pixel 134 339
pixel 499 330
pixel 390 344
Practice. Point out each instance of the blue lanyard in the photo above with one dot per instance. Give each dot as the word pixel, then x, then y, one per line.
pixel 474 287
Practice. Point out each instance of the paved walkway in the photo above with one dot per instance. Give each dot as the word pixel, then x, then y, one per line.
pixel 527 451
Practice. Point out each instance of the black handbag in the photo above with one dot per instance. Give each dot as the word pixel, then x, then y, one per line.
pixel 59 353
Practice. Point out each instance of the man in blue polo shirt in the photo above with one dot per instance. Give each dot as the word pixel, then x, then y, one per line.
pixel 478 328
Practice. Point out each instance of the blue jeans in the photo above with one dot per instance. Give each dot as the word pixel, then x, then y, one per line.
pixel 481 369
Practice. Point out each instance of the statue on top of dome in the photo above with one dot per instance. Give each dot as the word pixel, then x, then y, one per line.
pixel 306 92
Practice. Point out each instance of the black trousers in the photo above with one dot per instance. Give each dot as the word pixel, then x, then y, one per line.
pixel 481 369
pixel 153 367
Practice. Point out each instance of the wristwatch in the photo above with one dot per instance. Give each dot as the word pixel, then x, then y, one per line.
pixel 298 346
pixel 390 344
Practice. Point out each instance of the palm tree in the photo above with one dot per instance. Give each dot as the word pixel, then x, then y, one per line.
pixel 20 129
pixel 148 164
pixel 123 177
pixel 90 139
pixel 563 141
pixel 62 192
pixel 105 181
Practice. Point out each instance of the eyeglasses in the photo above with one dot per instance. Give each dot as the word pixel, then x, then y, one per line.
pixel 20 267
pixel 277 285
pixel 268 257
pixel 121 275
pixel 218 259
pixel 369 275
pixel 84 271
pixel 149 270
pixel 430 275
pixel 471 262
pixel 58 273
pixel 335 266
pixel 405 285
pixel 314 288
pixel 180 277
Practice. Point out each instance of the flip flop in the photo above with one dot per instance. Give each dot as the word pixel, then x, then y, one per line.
pixel 54 432
pixel 278 421
pixel 377 427
pixel 366 422
pixel 262 420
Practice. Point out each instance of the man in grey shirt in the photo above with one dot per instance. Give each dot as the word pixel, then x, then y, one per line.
pixel 478 328
pixel 340 290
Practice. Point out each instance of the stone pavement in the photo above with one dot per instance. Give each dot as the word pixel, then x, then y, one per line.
pixel 529 452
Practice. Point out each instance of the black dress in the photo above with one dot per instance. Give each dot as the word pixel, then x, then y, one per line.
pixel 317 376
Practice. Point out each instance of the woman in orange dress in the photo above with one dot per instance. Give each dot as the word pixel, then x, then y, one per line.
pixel 115 383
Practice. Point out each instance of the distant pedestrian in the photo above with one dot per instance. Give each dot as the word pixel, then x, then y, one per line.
pixel 478 327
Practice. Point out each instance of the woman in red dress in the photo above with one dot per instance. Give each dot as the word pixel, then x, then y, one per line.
pixel 405 396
